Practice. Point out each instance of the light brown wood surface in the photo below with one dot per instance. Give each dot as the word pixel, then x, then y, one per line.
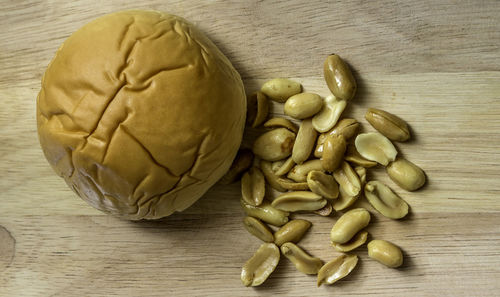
pixel 434 63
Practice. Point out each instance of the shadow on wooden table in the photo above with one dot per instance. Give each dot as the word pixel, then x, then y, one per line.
pixel 218 204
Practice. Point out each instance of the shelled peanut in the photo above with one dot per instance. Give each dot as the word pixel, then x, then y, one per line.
pixel 318 167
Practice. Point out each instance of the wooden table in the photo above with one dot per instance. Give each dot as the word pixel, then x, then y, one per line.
pixel 434 63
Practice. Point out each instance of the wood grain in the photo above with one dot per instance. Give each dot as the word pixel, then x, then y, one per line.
pixel 290 37
pixel 192 255
pixel 434 63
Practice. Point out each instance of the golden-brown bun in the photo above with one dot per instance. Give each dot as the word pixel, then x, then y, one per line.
pixel 140 113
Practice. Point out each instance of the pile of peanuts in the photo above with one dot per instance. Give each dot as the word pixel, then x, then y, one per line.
pixel 312 167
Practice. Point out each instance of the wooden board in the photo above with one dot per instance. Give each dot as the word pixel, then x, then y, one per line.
pixel 434 63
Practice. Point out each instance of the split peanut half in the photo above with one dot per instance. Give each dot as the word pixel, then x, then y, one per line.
pixel 253 186
pixel 353 156
pixel 271 177
pixel 325 211
pixel 280 89
pixel 304 142
pixel 361 172
pixel 285 167
pixel 299 201
pixel 333 152
pixel 388 124
pixel 274 145
pixel 344 200
pixel 348 179
pixel 304 262
pixel 322 184
pixel 385 201
pixel 262 109
pixel 292 231
pixel 329 114
pixel 258 229
pixel 292 185
pixel 375 147
pixel 299 172
pixel 346 127
pixel 281 123
pixel 358 240
pixel 349 224
pixel 303 105
pixel 336 269
pixel 339 78
pixel 277 164
pixel 406 174
pixel 266 213
pixel 385 252
pixel 258 268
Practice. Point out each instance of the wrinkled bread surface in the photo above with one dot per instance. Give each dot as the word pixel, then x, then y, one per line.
pixel 140 113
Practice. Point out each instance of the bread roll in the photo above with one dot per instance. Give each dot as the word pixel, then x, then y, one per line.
pixel 140 113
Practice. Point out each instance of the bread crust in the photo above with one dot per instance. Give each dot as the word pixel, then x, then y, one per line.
pixel 140 113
